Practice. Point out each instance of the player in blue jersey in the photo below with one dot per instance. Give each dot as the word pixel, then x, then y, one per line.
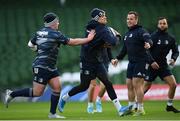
pixel 91 64
pixel 46 43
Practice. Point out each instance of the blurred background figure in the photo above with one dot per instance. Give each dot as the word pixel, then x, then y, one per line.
pixel 163 42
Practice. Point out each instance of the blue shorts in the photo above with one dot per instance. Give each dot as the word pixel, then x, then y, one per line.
pixel 42 76
pixel 161 72
pixel 138 69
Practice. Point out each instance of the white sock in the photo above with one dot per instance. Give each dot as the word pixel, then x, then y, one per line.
pixel 90 104
pixel 98 99
pixel 170 102
pixel 117 104
pixel 131 103
pixel 140 106
pixel 65 97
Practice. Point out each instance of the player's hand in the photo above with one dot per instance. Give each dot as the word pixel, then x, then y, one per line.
pixel 91 34
pixel 147 45
pixel 155 65
pixel 114 62
pixel 171 62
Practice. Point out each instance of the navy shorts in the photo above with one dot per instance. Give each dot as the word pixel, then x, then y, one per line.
pixel 138 69
pixel 42 76
pixel 161 72
pixel 91 71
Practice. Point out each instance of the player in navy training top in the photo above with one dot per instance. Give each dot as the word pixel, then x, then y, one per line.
pixel 91 58
pixel 137 41
pixel 163 42
pixel 46 43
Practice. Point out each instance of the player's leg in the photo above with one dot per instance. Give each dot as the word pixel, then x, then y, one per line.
pixel 138 84
pixel 88 73
pixel 131 93
pixel 90 108
pixel 103 77
pixel 139 73
pixel 147 86
pixel 130 88
pixel 55 85
pixel 151 76
pixel 102 90
pixel 170 80
pixel 39 85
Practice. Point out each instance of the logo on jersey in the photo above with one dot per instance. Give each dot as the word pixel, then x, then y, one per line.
pixel 147 66
pixel 139 74
pixel 42 33
pixel 159 42
pixel 166 42
pixel 130 35
pixel 86 72
pixel 36 70
pixel 40 80
pixel 125 37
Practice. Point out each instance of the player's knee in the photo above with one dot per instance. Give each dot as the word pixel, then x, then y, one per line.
pixel 93 85
pixel 173 85
pixel 37 93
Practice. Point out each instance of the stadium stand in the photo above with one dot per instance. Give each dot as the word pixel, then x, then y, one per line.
pixel 19 19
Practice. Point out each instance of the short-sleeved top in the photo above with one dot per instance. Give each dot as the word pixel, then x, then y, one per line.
pixel 48 42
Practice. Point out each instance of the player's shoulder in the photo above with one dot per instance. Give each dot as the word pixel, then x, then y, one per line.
pixel 171 36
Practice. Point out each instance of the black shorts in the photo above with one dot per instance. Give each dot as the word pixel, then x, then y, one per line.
pixel 139 69
pixel 42 76
pixel 161 72
pixel 90 71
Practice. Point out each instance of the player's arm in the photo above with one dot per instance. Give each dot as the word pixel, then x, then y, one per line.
pixel 32 44
pixel 175 53
pixel 120 56
pixel 109 38
pixel 80 41
pixel 152 61
pixel 109 53
pixel 148 43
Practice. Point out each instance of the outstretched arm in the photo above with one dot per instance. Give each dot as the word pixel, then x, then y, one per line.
pixel 80 41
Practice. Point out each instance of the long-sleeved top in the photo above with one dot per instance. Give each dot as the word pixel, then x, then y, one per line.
pixel 93 51
pixel 134 41
pixel 163 42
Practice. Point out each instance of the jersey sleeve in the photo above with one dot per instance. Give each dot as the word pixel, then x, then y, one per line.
pixel 175 51
pixel 123 52
pixel 60 38
pixel 109 38
pixel 33 39
pixel 146 37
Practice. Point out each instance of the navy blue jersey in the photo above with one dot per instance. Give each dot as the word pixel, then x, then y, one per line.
pixel 162 44
pixel 134 41
pixel 48 42
pixel 93 51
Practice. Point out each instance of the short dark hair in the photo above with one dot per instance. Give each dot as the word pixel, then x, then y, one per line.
pixel 135 14
pixel 161 18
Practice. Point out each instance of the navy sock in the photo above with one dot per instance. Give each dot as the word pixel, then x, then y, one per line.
pixel 54 101
pixel 26 92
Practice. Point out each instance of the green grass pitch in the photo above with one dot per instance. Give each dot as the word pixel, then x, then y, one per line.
pixel 155 110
